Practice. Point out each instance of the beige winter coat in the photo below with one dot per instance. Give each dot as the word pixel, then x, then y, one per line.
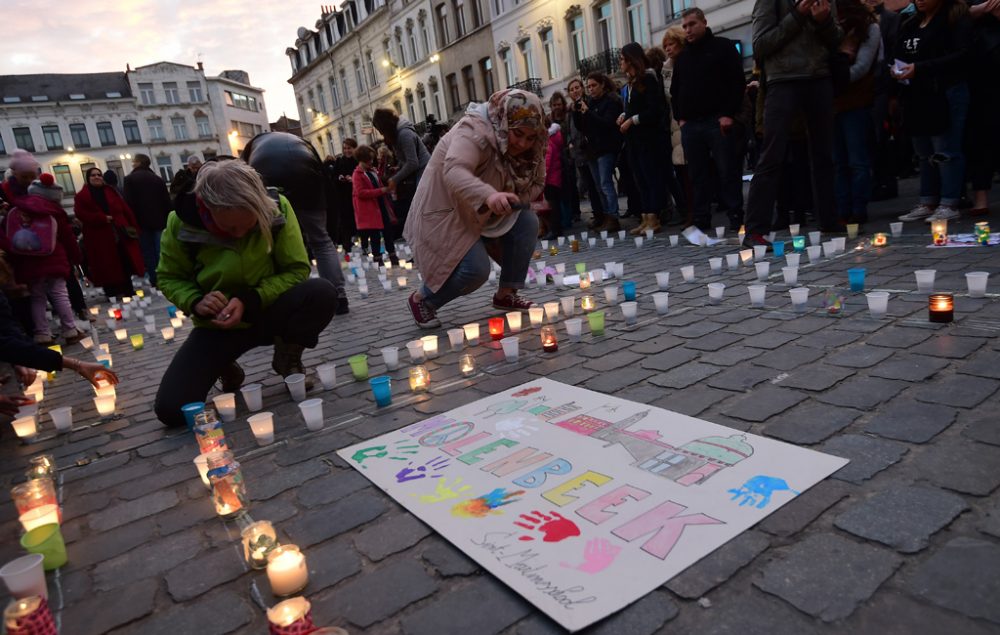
pixel 677 150
pixel 448 211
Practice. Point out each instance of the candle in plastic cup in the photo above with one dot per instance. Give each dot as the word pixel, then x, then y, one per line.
pixel 390 355
pixel 798 243
pixel 472 333
pixel 327 375
pixel 456 337
pixel 800 298
pixel 47 541
pixel 815 253
pixel 896 229
pixel 878 303
pixel 732 261
pixel 312 413
pixel 763 270
pixel 596 320
pixel 25 577
pixel 793 259
pixel 663 280
pixel 628 290
pixel 430 346
pixel 757 293
pixel 121 334
pixel 296 383
pixel 829 248
pixel 816 238
pixel 611 295
pixel 793 229
pixel 852 230
pixel 674 240
pixel 687 272
pixel 62 418
pixel 791 274
pixel 225 403
pixel 26 427
pixel 778 247
pixel 416 351
pixel 551 311
pixel 715 292
pixel 189 411
pixel 510 348
pixel 715 264
pixel 720 232
pixel 574 329
pixel 840 244
pixel 976 280
pixel 638 242
pixel 630 311
pixel 759 252
pixel 467 365
pixel 856 278
pixel 177 322
pixel 253 396
pixel 87 343
pixel 536 314
pixel 661 300
pixel 382 390
pixel 746 256
pixel 167 332
pixel 105 405
pixel 568 305
pixel 359 366
pixel 925 280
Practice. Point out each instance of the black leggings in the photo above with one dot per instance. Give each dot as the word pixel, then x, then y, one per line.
pixel 297 316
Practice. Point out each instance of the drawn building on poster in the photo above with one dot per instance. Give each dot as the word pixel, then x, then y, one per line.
pixel 690 464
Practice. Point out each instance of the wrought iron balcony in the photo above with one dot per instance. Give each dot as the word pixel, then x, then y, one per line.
pixel 605 62
pixel 532 85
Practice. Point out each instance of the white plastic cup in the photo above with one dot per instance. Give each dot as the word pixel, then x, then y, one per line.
pixel 201 464
pixel 611 295
pixel 62 418
pixel 150 329
pixel 592 242
pixel 816 238
pixel 551 311
pixel 925 280
pixel 416 351
pixel 878 303
pixel 663 280
pixel 621 234
pixel 557 280
pixel 536 315
pixel 150 319
pixel 896 229
pixel 510 347
pixel 976 280
pixel 687 272
pixel 262 426
pixel 598 275
pixel 800 298
pixel 829 248
pixel 840 244
pixel 225 403
pixel 791 274
pixel 661 300
pixel 456 337
pixel 630 311
pixel 390 355
pixel 604 235
pixel 732 261
pixel 610 242
pixel 430 346
pixel 312 412
pixel 545 245
pixel 763 270
pixel 568 305
pixel 715 264
pixel 793 229
pixel 561 268
pixel 514 321
pixel 649 234
pixel 25 577
pixel 757 293
pixel 253 396
pixel 720 232
pixel 296 383
pixel 620 270
pixel 759 252
pixel 574 329
pixel 327 375
pixel 715 292
pixel 87 343
pixel 815 253
pixel 674 240
pixel 793 259
pixel 638 242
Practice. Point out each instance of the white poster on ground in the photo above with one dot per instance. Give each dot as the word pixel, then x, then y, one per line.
pixel 582 502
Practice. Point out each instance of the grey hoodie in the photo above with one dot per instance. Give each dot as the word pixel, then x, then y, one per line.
pixel 790 46
pixel 411 153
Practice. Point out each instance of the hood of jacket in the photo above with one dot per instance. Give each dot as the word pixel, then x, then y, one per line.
pixel 405 123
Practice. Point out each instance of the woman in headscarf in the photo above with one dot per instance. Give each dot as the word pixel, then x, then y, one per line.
pixel 472 205
pixel 110 236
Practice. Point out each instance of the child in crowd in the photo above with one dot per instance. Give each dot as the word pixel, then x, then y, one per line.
pixel 373 211
pixel 560 216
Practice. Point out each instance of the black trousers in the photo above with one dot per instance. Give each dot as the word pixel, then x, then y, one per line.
pixel 784 100
pixel 298 316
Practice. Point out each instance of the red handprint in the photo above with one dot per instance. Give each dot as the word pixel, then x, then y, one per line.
pixel 555 527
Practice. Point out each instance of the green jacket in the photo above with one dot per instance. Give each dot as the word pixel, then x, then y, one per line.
pixel 194 262
pixel 789 46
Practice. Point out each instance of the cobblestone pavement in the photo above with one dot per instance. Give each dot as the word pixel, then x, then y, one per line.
pixel 904 539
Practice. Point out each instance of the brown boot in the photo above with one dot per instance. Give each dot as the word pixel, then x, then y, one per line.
pixel 610 224
pixel 641 229
pixel 654 223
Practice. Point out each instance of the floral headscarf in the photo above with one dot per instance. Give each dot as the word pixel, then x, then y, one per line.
pixel 513 108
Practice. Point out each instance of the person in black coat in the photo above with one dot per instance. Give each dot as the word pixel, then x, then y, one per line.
pixel 147 195
pixel 596 118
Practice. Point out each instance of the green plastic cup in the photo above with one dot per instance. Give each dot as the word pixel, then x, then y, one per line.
pixel 47 541
pixel 581 268
pixel 596 319
pixel 359 366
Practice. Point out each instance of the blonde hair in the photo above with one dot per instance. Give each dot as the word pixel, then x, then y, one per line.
pixel 234 184
pixel 676 35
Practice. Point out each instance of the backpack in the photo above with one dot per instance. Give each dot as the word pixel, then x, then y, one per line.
pixel 31 234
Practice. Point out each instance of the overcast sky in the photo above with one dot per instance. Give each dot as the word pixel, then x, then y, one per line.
pixel 85 37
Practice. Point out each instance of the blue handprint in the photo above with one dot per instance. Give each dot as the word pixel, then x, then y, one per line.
pixel 759 489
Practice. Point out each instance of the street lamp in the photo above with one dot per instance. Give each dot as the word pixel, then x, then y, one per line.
pixel 435 58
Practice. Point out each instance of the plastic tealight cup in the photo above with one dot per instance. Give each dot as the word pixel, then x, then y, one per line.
pixel 763 270
pixel 25 576
pixel 759 252
pixel 792 259
pixel 430 343
pixel 416 351
pixel 840 244
pixel 628 290
pixel 514 320
pixel 715 264
pixel 189 410
pixel 359 366
pixel 621 234
pixel 829 248
pixel 778 247
pixel 253 396
pixel 47 541
pixel 62 418
pixel 472 333
pixel 674 240
pixel 896 229
pixel 327 375
pixel 757 292
pixel 312 413
pixel 878 303
pixel 390 355
pixel 592 242
pixel 568 305
pixel 720 232
pixel 732 261
pixel 638 242
pixel 687 272
pixel 610 242
pixel 800 298
pixel 649 234
pixel 456 337
pixel 976 280
pixel 296 383
pixel 382 390
pixel 661 300
pixel 815 253
pixel 225 403
pixel 611 295
pixel 574 329
pixel 856 278
pixel 925 280
pixel 816 238
pixel 551 311
pixel 262 426
pixel 715 292
pixel 793 229
pixel 630 311
pixel 791 274
pixel 852 230
pixel 596 320
pixel 663 280
pixel 510 345
pixel 536 315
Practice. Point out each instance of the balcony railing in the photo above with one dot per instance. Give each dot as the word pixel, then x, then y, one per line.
pixel 606 62
pixel 533 85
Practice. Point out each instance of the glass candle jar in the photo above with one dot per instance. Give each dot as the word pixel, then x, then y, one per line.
pixel 286 570
pixel 420 379
pixel 467 365
pixel 550 342
pixel 42 466
pixel 291 617
pixel 36 503
pixel 208 432
pixel 259 540
pixel 941 307
pixel 228 489
pixel 939 232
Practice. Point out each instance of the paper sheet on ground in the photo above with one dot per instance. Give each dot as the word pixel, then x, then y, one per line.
pixel 696 237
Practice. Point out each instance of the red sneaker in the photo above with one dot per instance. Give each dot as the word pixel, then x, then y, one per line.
pixel 423 315
pixel 512 302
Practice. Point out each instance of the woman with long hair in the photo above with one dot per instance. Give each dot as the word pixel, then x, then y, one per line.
pixel 674 41
pixel 411 156
pixel 597 119
pixel 580 150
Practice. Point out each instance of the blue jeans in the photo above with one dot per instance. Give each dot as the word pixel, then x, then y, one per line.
pixel 603 170
pixel 852 163
pixel 473 270
pixel 942 164
pixel 705 146
pixel 149 245
pixel 315 236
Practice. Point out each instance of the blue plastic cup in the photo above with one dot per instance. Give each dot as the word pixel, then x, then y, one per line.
pixel 799 243
pixel 628 287
pixel 172 311
pixel 190 410
pixel 857 279
pixel 778 247
pixel 382 389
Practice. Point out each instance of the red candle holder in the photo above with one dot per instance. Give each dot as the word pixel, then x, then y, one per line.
pixel 496 328
pixel 941 308
pixel 550 343
pixel 29 616
pixel 118 314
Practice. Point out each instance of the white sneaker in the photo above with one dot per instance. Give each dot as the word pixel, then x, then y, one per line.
pixel 943 212
pixel 918 212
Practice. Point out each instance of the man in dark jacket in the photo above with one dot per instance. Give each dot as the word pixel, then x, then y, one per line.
pixel 793 42
pixel 707 96
pixel 147 195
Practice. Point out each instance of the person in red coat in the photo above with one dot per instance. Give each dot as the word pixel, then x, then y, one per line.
pixel 373 213
pixel 44 273
pixel 110 236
